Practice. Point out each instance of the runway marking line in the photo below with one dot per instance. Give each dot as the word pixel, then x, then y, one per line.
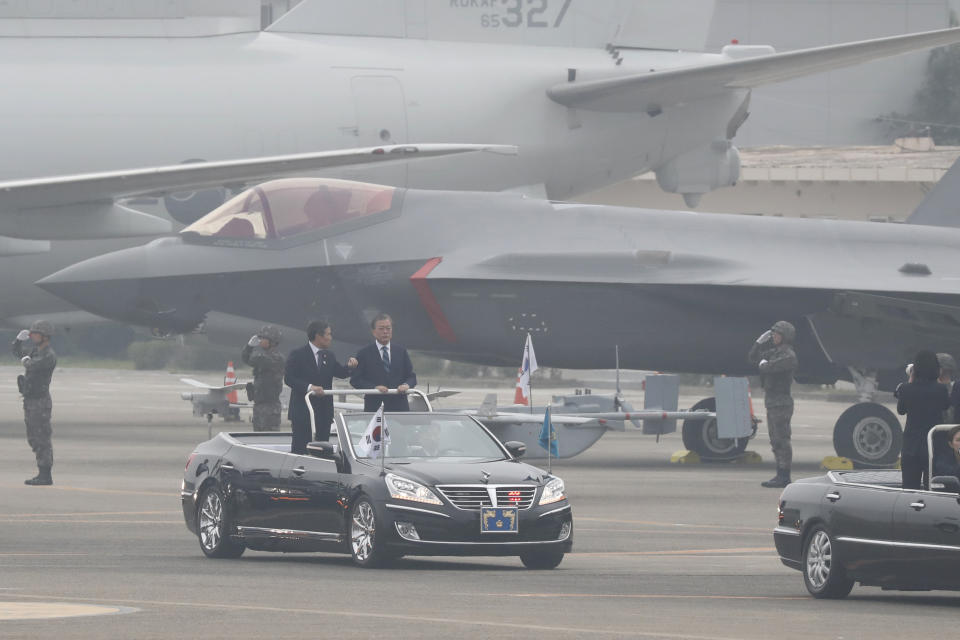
pixel 43 554
pixel 387 616
pixel 73 521
pixel 674 552
pixel 640 596
pixel 675 524
pixel 91 513
pixel 678 533
pixel 165 494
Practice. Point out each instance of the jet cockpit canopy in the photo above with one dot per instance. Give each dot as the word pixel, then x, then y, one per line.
pixel 282 209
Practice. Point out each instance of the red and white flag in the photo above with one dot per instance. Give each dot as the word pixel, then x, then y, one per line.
pixel 527 367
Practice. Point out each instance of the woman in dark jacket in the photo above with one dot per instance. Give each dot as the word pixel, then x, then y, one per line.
pixel 923 400
pixel 946 459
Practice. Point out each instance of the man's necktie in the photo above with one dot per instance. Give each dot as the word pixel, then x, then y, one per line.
pixel 386 358
pixel 319 359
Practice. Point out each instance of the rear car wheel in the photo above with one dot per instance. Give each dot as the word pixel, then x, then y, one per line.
pixel 366 544
pixel 541 559
pixel 700 436
pixel 214 526
pixel 823 574
pixel 869 434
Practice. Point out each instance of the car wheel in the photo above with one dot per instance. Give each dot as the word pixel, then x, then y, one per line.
pixel 823 574
pixel 541 559
pixel 214 526
pixel 869 434
pixel 700 436
pixel 366 545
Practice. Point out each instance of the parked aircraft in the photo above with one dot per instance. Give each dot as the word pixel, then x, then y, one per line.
pixel 676 291
pixel 331 75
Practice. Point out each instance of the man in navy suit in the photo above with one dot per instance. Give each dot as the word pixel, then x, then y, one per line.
pixel 384 365
pixel 313 366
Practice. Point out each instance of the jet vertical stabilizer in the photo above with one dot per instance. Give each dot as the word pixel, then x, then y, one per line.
pixel 651 24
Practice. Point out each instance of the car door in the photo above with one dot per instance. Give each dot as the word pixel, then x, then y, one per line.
pixel 309 496
pixel 927 529
pixel 860 519
pixel 253 477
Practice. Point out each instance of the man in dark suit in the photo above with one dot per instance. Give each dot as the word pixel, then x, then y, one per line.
pixel 384 365
pixel 313 366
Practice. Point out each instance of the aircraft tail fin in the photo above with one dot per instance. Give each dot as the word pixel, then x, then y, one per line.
pixel 652 24
pixel 941 207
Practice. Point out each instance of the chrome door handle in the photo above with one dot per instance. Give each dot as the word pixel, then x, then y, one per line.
pixel 226 466
pixel 833 496
pixel 299 471
pixel 917 505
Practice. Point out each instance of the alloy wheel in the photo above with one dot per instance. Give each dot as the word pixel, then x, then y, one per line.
pixel 362 531
pixel 211 521
pixel 819 559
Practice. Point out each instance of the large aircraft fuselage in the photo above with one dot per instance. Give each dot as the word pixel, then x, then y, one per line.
pixel 675 291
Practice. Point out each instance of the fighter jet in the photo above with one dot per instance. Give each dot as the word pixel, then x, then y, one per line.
pixel 466 275
pixel 592 92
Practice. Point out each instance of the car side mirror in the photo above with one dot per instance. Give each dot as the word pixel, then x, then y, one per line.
pixel 324 450
pixel 946 484
pixel 516 448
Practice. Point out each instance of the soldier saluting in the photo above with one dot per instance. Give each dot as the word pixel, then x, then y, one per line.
pixel 268 364
pixel 776 360
pixel 32 347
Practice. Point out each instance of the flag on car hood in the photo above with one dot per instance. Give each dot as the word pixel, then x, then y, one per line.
pixel 527 367
pixel 548 434
pixel 374 437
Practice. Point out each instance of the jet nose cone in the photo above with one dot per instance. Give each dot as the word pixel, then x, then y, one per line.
pixel 117 286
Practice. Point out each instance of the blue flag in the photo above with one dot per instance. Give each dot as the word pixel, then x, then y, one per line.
pixel 548 434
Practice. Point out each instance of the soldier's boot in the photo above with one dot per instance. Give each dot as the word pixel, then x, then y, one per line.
pixel 41 479
pixel 778 481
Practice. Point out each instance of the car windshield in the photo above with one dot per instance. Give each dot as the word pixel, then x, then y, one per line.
pixel 419 436
pixel 290 207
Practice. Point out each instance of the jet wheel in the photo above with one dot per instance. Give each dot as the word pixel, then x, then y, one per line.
pixel 700 436
pixel 869 434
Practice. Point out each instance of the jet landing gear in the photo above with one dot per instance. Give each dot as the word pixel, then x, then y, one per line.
pixel 868 433
pixel 700 436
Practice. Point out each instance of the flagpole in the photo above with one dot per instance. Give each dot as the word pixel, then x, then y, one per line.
pixel 383 442
pixel 549 419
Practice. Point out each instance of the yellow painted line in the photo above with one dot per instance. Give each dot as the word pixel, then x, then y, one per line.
pixel 675 552
pixel 675 524
pixel 165 494
pixel 418 619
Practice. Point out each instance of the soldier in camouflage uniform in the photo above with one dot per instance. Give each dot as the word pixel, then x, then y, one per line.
pixel 776 360
pixel 33 349
pixel 268 366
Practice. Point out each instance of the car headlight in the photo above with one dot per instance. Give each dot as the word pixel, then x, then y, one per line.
pixel 552 492
pixel 404 489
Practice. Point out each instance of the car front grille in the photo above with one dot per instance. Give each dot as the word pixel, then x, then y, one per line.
pixel 471 497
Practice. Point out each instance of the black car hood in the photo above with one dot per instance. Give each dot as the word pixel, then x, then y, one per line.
pixel 501 472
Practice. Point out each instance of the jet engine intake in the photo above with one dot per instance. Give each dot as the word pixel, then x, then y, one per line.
pixel 697 172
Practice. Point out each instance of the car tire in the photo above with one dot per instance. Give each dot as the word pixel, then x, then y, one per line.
pixel 215 526
pixel 700 436
pixel 541 559
pixel 366 539
pixel 869 434
pixel 823 573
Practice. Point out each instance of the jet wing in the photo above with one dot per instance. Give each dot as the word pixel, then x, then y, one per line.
pixel 656 89
pixel 204 385
pixel 27 207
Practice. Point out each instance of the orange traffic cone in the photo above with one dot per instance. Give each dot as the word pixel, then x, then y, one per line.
pixel 231 378
pixel 518 397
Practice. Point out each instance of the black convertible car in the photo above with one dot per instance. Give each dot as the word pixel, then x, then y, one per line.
pixel 861 526
pixel 447 487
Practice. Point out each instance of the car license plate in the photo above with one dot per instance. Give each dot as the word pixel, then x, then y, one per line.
pixel 499 520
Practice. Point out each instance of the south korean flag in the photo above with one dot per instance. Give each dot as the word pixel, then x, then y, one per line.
pixel 375 437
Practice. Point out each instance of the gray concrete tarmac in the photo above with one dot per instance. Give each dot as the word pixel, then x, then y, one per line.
pixel 661 550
